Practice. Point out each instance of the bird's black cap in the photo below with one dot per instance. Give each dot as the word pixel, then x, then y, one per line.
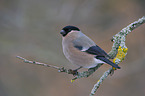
pixel 68 29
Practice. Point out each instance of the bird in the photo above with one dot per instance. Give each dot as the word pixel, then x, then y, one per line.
pixel 80 50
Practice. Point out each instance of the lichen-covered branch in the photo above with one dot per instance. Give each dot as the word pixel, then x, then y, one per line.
pixel 62 69
pixel 119 49
pixel 118 52
pixel 119 38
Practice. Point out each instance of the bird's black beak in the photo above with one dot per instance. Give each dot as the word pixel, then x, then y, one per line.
pixel 62 32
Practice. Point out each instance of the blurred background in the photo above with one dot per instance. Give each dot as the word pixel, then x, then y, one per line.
pixel 30 28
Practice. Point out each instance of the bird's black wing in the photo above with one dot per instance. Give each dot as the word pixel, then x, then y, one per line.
pixel 95 50
pixel 85 44
pixel 100 54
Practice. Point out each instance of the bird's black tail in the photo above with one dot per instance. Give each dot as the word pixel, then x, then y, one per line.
pixel 107 61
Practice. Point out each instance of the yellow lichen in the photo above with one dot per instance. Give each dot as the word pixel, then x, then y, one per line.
pixel 72 80
pixel 121 54
pixel 114 68
pixel 98 81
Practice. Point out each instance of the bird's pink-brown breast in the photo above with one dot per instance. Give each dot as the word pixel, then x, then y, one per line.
pixel 74 55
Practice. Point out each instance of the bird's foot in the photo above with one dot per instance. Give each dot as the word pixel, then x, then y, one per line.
pixel 74 72
pixel 112 71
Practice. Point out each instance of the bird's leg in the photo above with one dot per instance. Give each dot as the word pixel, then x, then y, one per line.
pixel 112 71
pixel 75 72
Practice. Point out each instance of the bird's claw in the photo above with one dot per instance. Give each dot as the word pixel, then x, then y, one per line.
pixel 112 71
pixel 73 72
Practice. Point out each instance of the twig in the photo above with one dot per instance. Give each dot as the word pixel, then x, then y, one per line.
pixel 37 63
pixel 62 69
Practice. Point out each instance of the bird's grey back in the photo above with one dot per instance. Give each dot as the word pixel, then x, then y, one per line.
pixel 83 41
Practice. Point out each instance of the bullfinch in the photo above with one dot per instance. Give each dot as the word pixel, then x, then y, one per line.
pixel 81 50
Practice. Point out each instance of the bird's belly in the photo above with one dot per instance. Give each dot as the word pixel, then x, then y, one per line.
pixel 79 58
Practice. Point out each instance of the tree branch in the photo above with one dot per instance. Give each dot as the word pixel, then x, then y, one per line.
pixel 119 49
pixel 62 69
pixel 118 52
